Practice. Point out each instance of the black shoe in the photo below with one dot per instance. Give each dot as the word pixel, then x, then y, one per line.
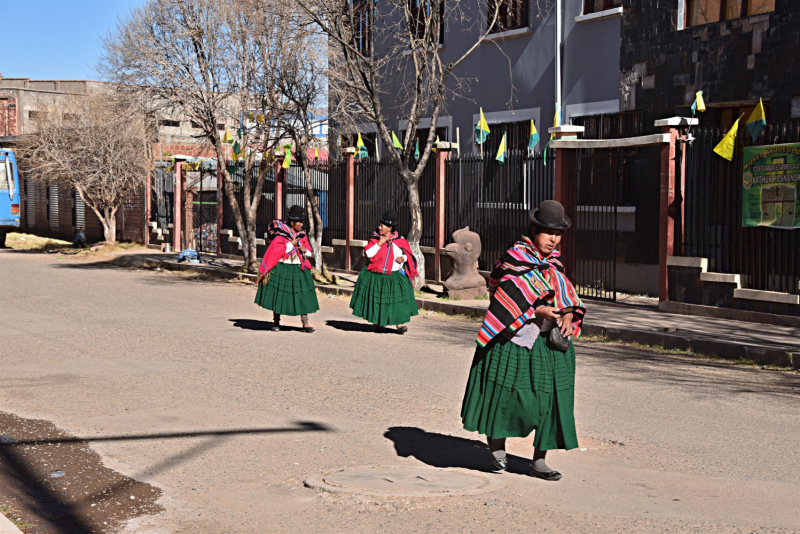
pixel 376 328
pixel 276 328
pixel 402 330
pixel 550 475
pixel 308 329
pixel 499 463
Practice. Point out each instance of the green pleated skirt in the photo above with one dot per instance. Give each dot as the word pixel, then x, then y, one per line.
pixel 289 291
pixel 383 299
pixel 513 391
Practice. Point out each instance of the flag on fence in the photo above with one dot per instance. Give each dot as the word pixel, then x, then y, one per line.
pixel 556 124
pixel 757 121
pixel 533 140
pixel 227 138
pixel 362 148
pixel 396 142
pixel 236 148
pixel 287 158
pixel 433 149
pixel 416 151
pixel 481 129
pixel 698 104
pixel 316 154
pixel 501 151
pixel 726 146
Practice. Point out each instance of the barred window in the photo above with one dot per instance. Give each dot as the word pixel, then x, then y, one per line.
pixel 709 11
pixel 595 6
pixel 423 14
pixel 512 15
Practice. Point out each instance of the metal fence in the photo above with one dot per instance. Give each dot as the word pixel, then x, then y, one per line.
pixel 767 258
pixel 328 181
pixel 379 187
pixel 494 199
pixel 162 199
pixel 266 207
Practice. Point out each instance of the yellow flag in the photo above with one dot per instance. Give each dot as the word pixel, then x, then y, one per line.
pixel 316 153
pixel 260 118
pixel 433 149
pixel 701 104
pixel 728 143
pixel 227 138
pixel 360 142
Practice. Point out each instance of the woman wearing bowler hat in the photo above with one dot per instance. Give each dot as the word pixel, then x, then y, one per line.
pixel 285 284
pixel 383 294
pixel 523 374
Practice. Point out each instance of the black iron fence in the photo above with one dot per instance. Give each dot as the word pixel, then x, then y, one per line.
pixel 328 181
pixel 767 258
pixel 379 187
pixel 494 200
pixel 162 197
pixel 265 212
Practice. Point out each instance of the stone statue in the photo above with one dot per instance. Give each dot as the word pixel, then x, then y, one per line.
pixel 466 282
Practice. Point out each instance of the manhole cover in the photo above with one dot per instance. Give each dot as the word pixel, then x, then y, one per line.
pixel 399 481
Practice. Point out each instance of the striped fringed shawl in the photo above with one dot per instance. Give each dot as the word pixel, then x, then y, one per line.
pixel 520 281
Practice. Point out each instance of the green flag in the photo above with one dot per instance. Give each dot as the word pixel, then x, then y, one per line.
pixel 287 158
pixel 416 151
pixel 501 151
pixel 362 148
pixel 533 140
pixel 396 142
pixel 757 121
pixel 481 129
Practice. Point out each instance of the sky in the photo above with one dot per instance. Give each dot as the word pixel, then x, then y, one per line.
pixel 56 39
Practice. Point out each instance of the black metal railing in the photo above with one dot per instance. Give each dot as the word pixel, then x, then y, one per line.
pixel 767 258
pixel 328 182
pixel 265 213
pixel 379 187
pixel 494 200
pixel 162 197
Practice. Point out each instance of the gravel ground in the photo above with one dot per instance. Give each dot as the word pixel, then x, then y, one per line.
pixel 176 383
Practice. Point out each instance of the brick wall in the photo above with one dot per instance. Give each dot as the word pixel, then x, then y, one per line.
pixel 8 116
pixel 731 61
pixel 186 149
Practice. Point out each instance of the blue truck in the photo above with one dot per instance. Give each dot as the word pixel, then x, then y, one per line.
pixel 9 194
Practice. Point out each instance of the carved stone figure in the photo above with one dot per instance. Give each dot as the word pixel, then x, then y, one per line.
pixel 466 282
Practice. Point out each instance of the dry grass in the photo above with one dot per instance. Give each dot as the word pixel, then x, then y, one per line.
pixel 37 244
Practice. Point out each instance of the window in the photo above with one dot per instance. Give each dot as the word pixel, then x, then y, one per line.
pixel 196 126
pixel 517 136
pixel 37 114
pixel 595 6
pixel 421 15
pixel 710 11
pixel 422 135
pixel 170 123
pixel 513 15
pixel 221 127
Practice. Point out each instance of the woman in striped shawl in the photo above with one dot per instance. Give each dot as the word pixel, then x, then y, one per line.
pixel 520 380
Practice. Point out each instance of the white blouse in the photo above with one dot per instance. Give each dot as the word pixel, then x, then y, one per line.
pixel 398 253
pixel 296 259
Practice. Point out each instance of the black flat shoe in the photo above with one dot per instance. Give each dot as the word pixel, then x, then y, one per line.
pixel 376 328
pixel 402 330
pixel 308 329
pixel 500 463
pixel 276 328
pixel 550 475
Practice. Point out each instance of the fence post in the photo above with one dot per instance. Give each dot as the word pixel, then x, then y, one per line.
pixel 220 202
pixel 349 204
pixel 443 151
pixel 280 177
pixel 147 201
pixel 176 210
pixel 675 127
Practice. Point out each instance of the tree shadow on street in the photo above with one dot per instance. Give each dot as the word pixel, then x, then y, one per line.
pixel 350 326
pixel 440 450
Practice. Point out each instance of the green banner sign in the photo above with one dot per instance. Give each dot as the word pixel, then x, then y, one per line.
pixel 770 185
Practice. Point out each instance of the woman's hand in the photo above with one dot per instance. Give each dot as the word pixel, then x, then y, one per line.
pixel 294 242
pixel 384 239
pixel 548 312
pixel 400 259
pixel 566 325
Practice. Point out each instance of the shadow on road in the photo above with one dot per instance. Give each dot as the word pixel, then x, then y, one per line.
pixel 440 450
pixel 350 326
pixel 255 324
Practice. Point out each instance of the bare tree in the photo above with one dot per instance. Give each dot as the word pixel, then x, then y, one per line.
pixel 97 144
pixel 385 61
pixel 203 59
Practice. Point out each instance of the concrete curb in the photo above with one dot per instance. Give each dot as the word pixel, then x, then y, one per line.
pixel 780 357
pixel 7 527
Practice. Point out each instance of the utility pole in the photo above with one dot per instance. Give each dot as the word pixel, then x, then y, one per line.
pixel 558 58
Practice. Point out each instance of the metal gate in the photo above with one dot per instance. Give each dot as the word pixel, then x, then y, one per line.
pixel 600 184
pixel 204 211
pixel 30 202
pixel 80 213
pixel 52 206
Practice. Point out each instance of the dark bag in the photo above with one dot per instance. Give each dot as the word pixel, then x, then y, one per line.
pixel 557 340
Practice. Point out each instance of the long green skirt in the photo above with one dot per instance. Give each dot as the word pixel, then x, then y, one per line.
pixel 290 291
pixel 383 299
pixel 512 391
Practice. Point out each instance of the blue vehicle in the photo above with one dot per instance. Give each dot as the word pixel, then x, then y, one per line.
pixel 9 194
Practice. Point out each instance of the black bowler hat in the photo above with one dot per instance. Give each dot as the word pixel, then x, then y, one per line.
pixel 550 214
pixel 296 213
pixel 389 218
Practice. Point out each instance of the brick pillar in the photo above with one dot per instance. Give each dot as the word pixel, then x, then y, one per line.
pixel 280 178
pixel 443 151
pixel 147 206
pixel 668 211
pixel 220 204
pixel 176 214
pixel 349 204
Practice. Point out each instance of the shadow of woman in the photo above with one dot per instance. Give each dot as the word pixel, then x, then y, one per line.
pixel 350 326
pixel 440 450
pixel 255 324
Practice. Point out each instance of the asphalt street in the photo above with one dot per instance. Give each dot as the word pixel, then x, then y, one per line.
pixel 227 419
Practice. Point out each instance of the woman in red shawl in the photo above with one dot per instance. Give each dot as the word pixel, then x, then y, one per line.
pixel 285 284
pixel 383 294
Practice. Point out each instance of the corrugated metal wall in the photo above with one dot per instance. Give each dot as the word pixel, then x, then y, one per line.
pixel 52 207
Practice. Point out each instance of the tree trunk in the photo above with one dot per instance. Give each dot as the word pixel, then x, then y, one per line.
pixel 252 251
pixel 415 233
pixel 235 208
pixel 314 221
pixel 109 221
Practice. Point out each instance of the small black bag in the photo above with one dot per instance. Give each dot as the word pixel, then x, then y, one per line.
pixel 557 340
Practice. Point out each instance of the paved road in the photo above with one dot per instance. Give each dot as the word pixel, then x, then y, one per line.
pixel 673 444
